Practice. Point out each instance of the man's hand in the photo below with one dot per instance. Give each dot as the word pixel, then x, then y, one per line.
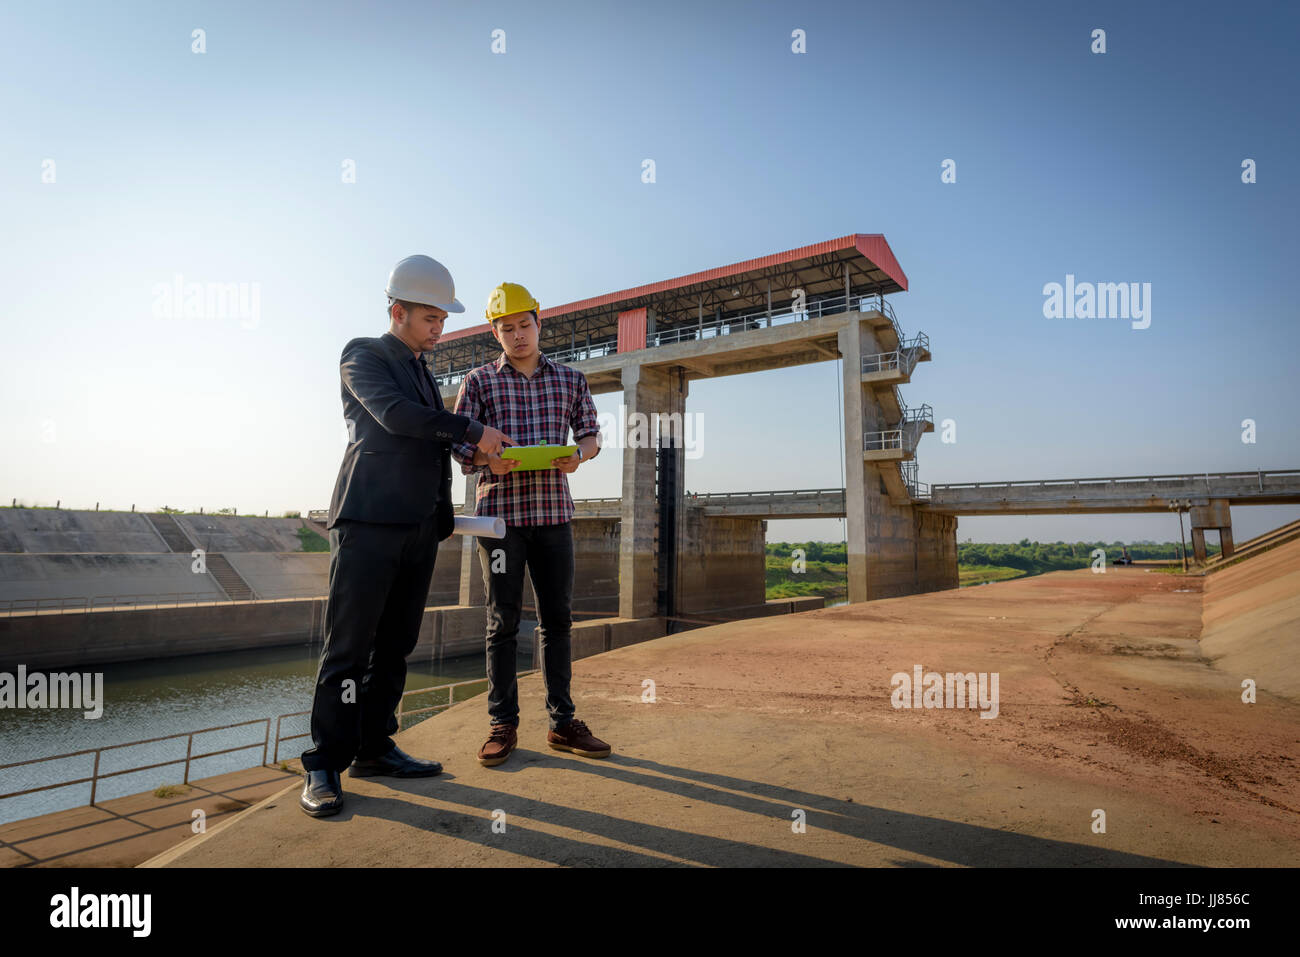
pixel 499 466
pixel 492 440
pixel 567 463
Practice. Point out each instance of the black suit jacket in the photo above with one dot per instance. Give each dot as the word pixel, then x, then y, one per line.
pixel 397 466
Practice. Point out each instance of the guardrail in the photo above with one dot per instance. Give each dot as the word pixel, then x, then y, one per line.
pixel 755 319
pixel 96 775
pixel 1204 477
pixel 265 744
pixel 915 488
pixel 920 413
pixel 9 607
pixel 904 357
pixel 882 441
pixel 724 496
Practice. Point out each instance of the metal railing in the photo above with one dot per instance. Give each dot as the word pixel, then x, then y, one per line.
pixel 904 357
pixel 882 441
pixel 9 607
pixel 755 319
pixel 595 350
pixel 915 488
pixel 887 439
pixel 12 606
pixel 1283 477
pixel 921 413
pixel 265 744
pixel 819 493
pixel 96 775
pixel 763 319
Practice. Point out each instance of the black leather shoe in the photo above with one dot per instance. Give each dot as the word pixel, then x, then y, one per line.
pixel 322 793
pixel 395 764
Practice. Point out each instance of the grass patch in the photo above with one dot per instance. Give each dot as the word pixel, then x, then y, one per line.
pixel 311 542
pixel 830 580
pixel 980 574
pixel 170 790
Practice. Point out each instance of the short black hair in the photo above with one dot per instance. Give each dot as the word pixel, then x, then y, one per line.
pixel 495 319
pixel 408 306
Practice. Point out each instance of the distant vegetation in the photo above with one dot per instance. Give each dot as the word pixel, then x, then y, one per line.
pixel 826 563
pixel 312 542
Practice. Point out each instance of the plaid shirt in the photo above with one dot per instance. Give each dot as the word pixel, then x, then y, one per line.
pixel 531 411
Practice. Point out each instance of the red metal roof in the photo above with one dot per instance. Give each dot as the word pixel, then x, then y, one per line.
pixel 871 246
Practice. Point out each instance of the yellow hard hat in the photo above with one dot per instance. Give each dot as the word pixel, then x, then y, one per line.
pixel 509 298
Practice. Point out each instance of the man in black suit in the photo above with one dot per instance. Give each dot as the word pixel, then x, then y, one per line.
pixel 390 509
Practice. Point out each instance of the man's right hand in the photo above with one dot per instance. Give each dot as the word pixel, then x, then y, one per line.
pixel 492 440
pixel 499 466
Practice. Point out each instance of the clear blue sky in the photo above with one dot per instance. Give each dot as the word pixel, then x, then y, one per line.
pixel 225 167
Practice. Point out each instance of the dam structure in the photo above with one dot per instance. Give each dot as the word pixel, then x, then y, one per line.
pixel 821 303
pixel 78 587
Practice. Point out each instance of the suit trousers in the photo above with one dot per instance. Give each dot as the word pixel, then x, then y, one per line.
pixel 378 587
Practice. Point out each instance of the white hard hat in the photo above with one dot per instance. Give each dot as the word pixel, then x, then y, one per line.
pixel 423 280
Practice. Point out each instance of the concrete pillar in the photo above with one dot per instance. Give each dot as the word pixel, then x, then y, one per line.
pixel 856 472
pixel 1216 514
pixel 882 542
pixel 471 572
pixel 673 436
pixel 646 393
pixel 892 549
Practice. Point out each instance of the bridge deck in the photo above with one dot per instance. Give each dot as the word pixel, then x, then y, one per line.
pixel 1131 493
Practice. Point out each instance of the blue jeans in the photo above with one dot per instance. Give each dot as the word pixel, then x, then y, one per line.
pixel 547 550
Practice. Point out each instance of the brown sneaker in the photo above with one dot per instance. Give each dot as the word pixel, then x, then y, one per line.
pixel 577 737
pixel 498 745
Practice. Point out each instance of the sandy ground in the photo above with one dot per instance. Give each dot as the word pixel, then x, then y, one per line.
pixel 1106 703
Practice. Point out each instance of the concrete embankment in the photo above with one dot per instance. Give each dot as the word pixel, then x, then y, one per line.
pixel 1251 620
pixel 78 638
pixel 776 742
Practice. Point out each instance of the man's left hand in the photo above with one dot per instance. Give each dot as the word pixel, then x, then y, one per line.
pixel 567 463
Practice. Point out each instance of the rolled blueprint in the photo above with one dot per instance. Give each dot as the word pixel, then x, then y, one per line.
pixel 485 526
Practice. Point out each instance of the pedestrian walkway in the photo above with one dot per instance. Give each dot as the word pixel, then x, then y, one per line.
pixel 125 831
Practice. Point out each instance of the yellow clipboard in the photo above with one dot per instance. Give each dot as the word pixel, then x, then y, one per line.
pixel 533 457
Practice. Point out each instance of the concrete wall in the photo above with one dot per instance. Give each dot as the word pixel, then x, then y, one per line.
pixel 59 530
pixel 936 551
pixel 66 530
pixel 306 574
pixel 595 572
pixel 722 563
pixel 231 533
pixel 283 574
pixel 444 588
pixel 81 638
pixel 100 576
pixel 87 638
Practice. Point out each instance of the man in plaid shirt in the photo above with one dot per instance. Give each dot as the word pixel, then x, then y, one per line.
pixel 535 401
